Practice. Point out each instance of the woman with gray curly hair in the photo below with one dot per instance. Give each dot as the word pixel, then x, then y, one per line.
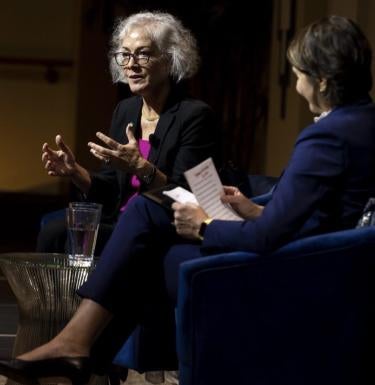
pixel 168 35
pixel 155 135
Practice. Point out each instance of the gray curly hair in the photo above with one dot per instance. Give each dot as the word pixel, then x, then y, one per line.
pixel 169 35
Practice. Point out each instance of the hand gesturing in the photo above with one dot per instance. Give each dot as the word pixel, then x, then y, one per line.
pixel 60 162
pixel 123 156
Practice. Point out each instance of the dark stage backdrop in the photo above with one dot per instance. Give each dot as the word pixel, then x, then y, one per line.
pixel 235 49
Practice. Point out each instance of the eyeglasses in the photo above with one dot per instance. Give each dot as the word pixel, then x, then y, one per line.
pixel 123 58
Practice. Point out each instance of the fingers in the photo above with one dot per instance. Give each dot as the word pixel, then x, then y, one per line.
pixel 60 162
pixel 62 146
pixel 188 219
pixel 45 151
pixel 48 154
pixel 231 199
pixel 52 173
pixel 50 166
pixel 100 152
pixel 100 156
pixel 59 140
pixel 125 156
pixel 236 197
pixel 179 213
pixel 176 206
pixel 104 153
pixel 181 219
pixel 230 194
pixel 230 190
pixel 182 208
pixel 130 133
pixel 112 144
pixel 62 154
pixel 187 213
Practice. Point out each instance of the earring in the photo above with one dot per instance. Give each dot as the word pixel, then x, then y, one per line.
pixel 322 85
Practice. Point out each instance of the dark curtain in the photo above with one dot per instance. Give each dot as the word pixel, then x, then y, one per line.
pixel 235 47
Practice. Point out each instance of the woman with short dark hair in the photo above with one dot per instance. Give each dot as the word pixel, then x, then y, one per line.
pixel 336 50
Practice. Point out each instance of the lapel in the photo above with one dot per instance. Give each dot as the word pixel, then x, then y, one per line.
pixel 134 116
pixel 167 118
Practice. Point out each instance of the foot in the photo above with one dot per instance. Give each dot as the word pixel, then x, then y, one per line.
pixel 78 370
pixel 54 349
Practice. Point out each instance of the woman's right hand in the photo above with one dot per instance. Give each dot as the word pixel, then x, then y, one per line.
pixel 62 162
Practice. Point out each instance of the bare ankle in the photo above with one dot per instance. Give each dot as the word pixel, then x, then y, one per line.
pixel 57 347
pixel 69 347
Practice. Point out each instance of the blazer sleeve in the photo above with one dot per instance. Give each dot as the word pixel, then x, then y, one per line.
pixel 309 182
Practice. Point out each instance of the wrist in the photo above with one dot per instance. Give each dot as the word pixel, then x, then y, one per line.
pixel 81 178
pixel 203 227
pixel 76 171
pixel 147 173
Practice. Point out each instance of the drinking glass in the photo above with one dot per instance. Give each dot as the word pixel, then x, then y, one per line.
pixel 83 220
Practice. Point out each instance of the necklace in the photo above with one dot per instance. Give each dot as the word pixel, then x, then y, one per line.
pixel 149 118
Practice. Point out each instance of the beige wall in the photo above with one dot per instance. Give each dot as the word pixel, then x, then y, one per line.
pixel 33 110
pixel 281 133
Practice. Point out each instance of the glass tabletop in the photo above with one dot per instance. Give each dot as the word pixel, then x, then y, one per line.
pixel 43 260
pixel 44 285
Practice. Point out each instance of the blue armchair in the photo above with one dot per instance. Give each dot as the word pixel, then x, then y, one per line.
pixel 302 315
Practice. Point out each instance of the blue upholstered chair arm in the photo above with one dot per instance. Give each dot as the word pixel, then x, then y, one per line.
pixel 297 316
pixel 262 199
pixel 51 216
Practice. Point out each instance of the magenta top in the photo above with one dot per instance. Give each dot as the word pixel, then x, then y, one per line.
pixel 135 183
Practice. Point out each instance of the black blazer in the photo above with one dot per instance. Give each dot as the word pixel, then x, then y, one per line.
pixel 185 135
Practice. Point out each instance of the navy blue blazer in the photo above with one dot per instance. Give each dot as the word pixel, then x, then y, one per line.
pixel 329 178
pixel 185 135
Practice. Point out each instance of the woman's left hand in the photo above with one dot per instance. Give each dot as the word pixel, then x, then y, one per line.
pixel 244 206
pixel 126 157
pixel 188 219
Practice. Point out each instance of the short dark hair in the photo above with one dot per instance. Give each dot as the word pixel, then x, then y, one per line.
pixel 334 48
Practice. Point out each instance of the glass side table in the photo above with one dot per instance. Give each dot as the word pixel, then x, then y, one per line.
pixel 45 289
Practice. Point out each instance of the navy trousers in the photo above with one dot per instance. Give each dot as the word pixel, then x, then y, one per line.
pixel 137 272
